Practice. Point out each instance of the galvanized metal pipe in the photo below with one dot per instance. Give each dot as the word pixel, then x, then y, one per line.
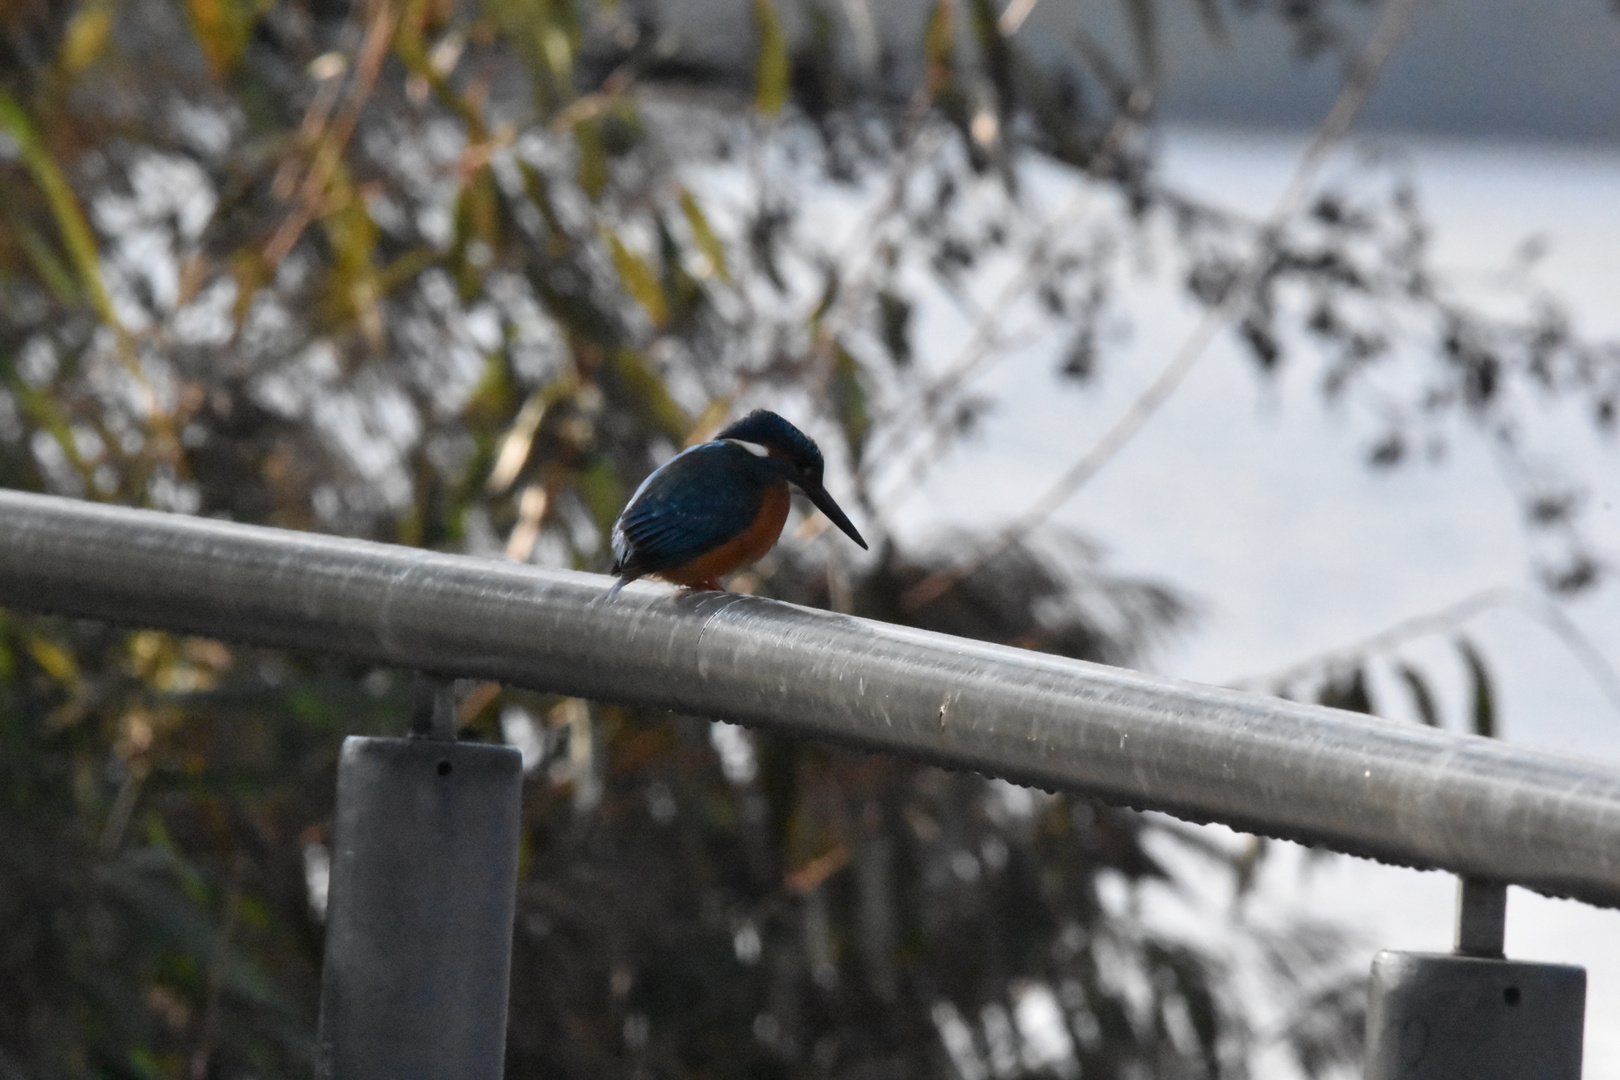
pixel 1401 793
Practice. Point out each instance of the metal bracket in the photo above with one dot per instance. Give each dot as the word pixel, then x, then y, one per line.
pixel 433 712
pixel 1481 917
pixel 419 927
pixel 1472 1015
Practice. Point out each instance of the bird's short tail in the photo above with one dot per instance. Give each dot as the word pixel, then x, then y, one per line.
pixel 621 583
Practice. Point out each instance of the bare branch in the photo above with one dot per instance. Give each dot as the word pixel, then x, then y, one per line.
pixel 1443 620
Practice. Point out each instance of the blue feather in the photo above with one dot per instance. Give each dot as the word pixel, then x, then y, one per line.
pixel 694 503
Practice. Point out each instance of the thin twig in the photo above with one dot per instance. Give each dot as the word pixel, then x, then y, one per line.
pixel 1444 619
pixel 219 956
pixel 285 184
pixel 1438 621
pixel 1359 83
pixel 312 192
pixel 1582 647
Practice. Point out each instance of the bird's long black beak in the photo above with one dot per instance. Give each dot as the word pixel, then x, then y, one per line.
pixel 824 503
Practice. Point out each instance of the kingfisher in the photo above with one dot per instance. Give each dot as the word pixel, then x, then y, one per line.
pixel 720 505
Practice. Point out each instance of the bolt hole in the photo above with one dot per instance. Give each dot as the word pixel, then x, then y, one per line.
pixel 1511 995
pixel 444 770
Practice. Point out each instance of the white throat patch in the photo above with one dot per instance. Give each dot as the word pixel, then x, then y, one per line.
pixel 752 447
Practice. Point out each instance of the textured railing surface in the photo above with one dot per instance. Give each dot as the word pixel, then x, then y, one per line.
pixel 1397 792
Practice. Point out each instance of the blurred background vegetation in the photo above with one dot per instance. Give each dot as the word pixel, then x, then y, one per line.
pixel 459 274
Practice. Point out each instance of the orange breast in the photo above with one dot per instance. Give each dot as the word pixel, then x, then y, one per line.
pixel 705 571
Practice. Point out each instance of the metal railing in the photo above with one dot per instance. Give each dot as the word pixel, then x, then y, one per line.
pixel 1401 793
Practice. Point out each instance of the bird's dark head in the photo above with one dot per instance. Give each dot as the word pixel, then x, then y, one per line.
pixel 763 430
pixel 781 440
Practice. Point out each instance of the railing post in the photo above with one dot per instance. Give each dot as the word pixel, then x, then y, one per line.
pixel 1471 1014
pixel 419 923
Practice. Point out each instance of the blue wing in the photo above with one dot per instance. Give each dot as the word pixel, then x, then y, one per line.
pixel 692 504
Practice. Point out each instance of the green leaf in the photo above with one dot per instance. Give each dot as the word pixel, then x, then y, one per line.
pixel 680 287
pixel 1479 677
pixel 70 220
pixel 849 401
pixel 353 291
pixel 57 277
pixel 519 439
pixel 894 314
pixel 537 188
pixel 57 662
pixel 939 46
pixel 251 273
pixel 1143 17
pixel 46 413
pixel 1347 690
pixel 1422 697
pixel 639 279
pixel 546 35
pixel 478 218
pixel 773 70
pixel 829 295
pixel 145 1063
pixel 223 29
pixel 659 408
pixel 558 41
pixel 593 160
pixel 997 53
pixel 86 38
pixel 704 236
pixel 601 493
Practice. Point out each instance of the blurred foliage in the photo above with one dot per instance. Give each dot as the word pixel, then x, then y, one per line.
pixel 458 274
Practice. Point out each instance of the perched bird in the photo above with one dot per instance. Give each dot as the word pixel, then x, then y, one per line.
pixel 720 505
